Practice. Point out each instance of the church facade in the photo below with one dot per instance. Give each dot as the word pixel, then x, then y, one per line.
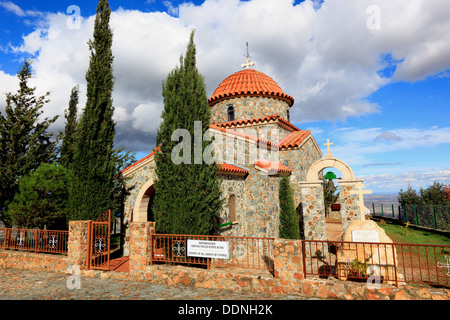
pixel 255 144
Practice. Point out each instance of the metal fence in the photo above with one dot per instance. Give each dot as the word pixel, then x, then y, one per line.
pixel 48 241
pixel 239 252
pixel 435 217
pixel 392 263
pixel 386 209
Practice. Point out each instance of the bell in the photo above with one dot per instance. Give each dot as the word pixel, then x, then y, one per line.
pixel 330 186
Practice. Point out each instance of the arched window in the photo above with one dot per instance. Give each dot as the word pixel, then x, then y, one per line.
pixel 230 113
pixel 232 208
pixel 288 115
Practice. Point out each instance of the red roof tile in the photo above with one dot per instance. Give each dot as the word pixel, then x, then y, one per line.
pixel 249 82
pixel 272 166
pixel 294 139
pixel 227 167
pixel 146 157
pixel 256 120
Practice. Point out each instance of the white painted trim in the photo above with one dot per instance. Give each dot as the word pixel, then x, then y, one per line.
pixel 321 164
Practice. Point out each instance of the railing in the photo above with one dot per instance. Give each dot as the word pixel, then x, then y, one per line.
pixel 48 241
pixel 423 263
pixel 392 263
pixel 242 252
pixel 430 216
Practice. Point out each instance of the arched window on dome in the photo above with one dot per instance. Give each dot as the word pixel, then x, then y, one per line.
pixel 288 115
pixel 230 112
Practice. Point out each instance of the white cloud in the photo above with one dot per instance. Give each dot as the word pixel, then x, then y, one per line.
pixel 388 136
pixel 356 146
pixel 321 53
pixel 14 8
pixel 171 8
pixel 8 84
pixel 140 117
pixel 415 179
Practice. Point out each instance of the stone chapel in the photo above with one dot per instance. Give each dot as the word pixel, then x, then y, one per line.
pixel 255 143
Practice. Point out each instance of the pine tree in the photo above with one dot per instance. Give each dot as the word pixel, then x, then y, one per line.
pixel 25 141
pixel 94 167
pixel 68 143
pixel 289 223
pixel 42 200
pixel 187 195
pixel 409 196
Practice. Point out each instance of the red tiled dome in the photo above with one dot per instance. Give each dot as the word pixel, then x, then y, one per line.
pixel 249 82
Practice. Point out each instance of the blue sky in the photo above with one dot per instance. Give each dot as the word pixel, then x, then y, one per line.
pixel 380 94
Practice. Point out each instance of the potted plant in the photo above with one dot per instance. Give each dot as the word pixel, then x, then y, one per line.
pixel 358 271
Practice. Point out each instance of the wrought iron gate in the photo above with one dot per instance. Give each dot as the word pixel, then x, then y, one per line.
pixel 99 242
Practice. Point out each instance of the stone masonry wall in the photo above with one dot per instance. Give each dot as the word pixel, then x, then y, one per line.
pixel 313 211
pixel 262 209
pixel 266 131
pixel 349 204
pixel 78 243
pixel 288 262
pixel 135 181
pixel 249 107
pixel 288 275
pixel 140 246
pixel 299 160
pixel 23 260
pixel 233 185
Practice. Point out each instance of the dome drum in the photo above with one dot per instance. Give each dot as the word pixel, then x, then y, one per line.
pixel 249 94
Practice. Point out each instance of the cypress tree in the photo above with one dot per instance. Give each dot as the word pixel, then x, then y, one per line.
pixel 187 194
pixel 25 141
pixel 94 171
pixel 289 223
pixel 68 143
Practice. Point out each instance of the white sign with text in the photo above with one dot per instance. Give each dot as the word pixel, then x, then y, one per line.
pixel 365 236
pixel 208 249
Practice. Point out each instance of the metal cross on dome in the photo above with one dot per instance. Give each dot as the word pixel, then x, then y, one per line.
pixel 248 63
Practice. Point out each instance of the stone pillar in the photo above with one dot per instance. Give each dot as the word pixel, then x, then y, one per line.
pixel 288 261
pixel 349 202
pixel 140 246
pixel 78 243
pixel 313 210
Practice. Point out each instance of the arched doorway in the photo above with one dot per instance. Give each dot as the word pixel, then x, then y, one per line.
pixel 331 191
pixel 142 211
pixel 150 195
pixel 312 197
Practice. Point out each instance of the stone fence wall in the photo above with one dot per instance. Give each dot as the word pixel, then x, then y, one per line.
pixel 287 278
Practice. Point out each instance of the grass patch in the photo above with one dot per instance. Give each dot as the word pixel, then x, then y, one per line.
pixel 397 234
pixel 115 242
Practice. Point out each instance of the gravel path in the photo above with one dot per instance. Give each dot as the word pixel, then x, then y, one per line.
pixel 32 285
